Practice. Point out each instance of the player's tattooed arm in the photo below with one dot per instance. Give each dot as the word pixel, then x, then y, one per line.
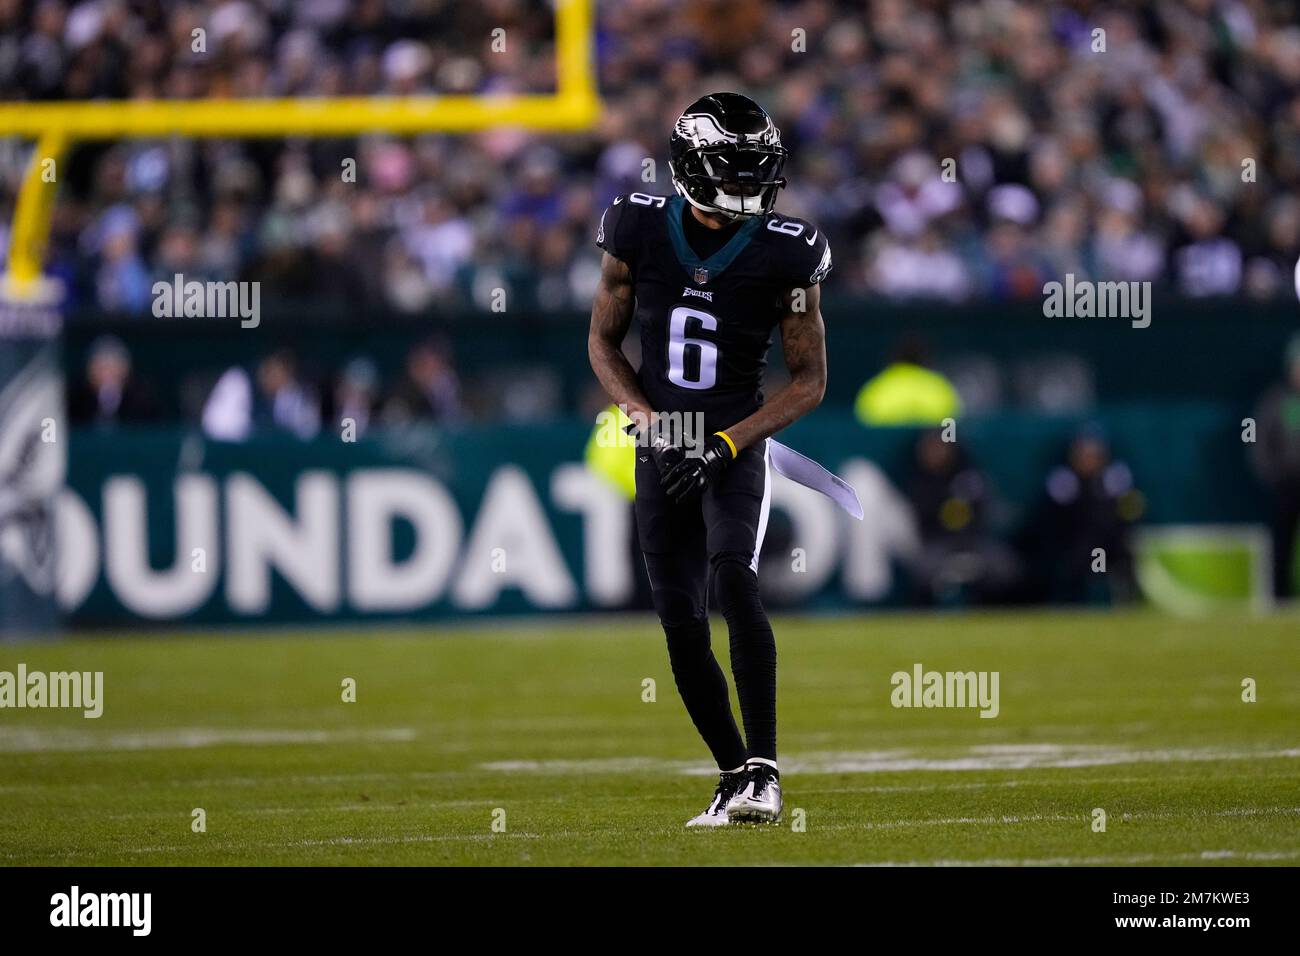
pixel 803 340
pixel 611 316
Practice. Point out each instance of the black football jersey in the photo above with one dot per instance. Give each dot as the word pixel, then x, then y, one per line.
pixel 706 324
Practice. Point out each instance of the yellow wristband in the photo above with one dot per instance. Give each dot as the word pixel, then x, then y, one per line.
pixel 730 444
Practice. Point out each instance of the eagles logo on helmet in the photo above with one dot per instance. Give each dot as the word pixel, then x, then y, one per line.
pixel 726 157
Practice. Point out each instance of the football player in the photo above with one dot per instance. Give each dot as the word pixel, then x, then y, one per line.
pixel 711 273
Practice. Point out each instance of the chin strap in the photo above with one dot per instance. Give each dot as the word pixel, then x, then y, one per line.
pixel 729 214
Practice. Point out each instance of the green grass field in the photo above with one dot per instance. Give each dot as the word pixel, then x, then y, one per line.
pixel 1136 714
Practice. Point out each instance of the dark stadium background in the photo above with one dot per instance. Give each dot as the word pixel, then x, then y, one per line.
pixel 443 291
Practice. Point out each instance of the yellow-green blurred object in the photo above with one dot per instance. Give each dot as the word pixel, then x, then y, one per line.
pixel 906 394
pixel 1196 570
pixel 605 455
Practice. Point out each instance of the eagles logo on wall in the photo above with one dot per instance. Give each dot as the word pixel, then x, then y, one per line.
pixel 33 462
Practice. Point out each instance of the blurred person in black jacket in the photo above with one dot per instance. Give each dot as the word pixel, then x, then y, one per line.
pixel 1276 458
pixel 429 390
pixel 960 558
pixel 355 397
pixel 110 394
pixel 1091 503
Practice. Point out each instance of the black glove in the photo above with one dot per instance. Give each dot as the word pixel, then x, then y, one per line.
pixel 655 445
pixel 690 476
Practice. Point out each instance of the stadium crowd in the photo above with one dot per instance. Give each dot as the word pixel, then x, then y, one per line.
pixel 972 149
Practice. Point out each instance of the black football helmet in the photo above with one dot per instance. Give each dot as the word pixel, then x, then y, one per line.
pixel 726 157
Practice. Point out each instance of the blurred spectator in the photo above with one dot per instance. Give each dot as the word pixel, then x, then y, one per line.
pixel 441 242
pixel 228 412
pixel 919 268
pixel 1276 457
pixel 333 262
pixel 280 400
pixel 110 393
pixel 960 558
pixel 1015 266
pixel 907 391
pixel 1120 249
pixel 356 395
pixel 122 282
pixel 283 400
pixel 1209 263
pixel 1080 542
pixel 429 391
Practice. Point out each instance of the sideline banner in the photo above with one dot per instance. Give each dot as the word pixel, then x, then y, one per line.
pixel 163 525
pixel 33 455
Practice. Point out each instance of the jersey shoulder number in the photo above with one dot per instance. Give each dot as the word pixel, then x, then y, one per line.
pixel 803 255
pixel 620 230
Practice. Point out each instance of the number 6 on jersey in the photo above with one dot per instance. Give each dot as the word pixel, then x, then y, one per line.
pixel 686 354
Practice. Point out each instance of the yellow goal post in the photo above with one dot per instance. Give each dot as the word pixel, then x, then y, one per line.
pixel 574 105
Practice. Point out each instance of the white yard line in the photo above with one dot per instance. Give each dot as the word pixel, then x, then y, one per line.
pixel 378 805
pixel 28 740
pixel 286 845
pixel 896 760
pixel 903 760
pixel 980 785
pixel 1037 756
pixel 1203 856
pixel 1080 817
pixel 1001 820
pixel 353 779
pixel 422 838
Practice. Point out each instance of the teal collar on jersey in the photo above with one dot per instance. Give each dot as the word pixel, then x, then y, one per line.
pixel 711 267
